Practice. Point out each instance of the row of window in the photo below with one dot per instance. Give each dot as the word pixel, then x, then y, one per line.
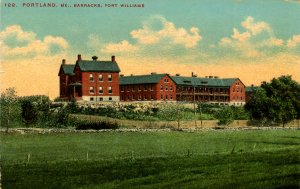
pixel 100 91
pixel 237 98
pixel 101 78
pixel 145 88
pixel 146 97
pixel 211 90
pixel 237 90
pixel 100 99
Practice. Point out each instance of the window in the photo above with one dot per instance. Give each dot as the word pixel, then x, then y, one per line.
pixel 237 90
pixel 132 89
pixel 110 98
pixel 109 90
pixel 133 97
pixel 151 88
pixel 241 90
pixel 140 97
pixel 145 87
pixel 100 90
pixel 145 97
pixel 100 77
pixel 171 88
pixel 122 88
pixel 109 77
pixel 128 88
pixel 233 89
pixel 241 98
pixel 167 97
pixel 128 97
pixel 151 97
pixel 100 99
pixel 139 88
pixel 171 97
pixel 91 78
pixel 166 87
pixel 91 90
pixel 161 97
pixel 92 99
pixel 161 87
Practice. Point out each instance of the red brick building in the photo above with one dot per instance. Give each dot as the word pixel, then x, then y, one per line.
pixel 225 91
pixel 90 80
pixel 163 87
pixel 154 87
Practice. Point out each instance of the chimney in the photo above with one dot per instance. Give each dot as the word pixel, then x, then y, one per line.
pixel 192 74
pixel 63 61
pixel 216 77
pixel 79 57
pixel 211 76
pixel 113 58
pixel 206 76
pixel 122 75
pixel 153 73
pixel 94 58
pixel 177 74
pixel 131 74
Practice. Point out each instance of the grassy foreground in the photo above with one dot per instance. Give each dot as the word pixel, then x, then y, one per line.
pixel 204 159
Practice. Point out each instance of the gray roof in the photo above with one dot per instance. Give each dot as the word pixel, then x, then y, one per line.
pixel 97 66
pixel 68 69
pixel 141 79
pixel 198 81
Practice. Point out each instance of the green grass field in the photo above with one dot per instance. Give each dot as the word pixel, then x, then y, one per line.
pixel 204 159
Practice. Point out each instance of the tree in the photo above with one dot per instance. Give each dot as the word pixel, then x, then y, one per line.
pixel 225 116
pixel 9 107
pixel 29 111
pixel 277 101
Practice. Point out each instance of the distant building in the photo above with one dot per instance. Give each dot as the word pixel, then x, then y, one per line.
pixel 163 87
pixel 250 90
pixel 90 80
pixel 211 89
pixel 97 81
pixel 153 87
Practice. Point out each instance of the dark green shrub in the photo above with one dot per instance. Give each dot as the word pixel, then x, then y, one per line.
pixel 96 125
pixel 225 116
pixel 29 112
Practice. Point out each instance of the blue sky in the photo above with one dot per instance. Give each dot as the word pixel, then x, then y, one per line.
pixel 215 18
pixel 207 36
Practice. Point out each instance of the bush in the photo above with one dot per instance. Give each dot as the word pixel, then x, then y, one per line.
pixel 225 116
pixel 29 112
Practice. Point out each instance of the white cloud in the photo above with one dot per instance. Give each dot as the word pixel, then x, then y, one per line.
pixel 169 31
pixel 240 36
pixel 250 44
pixel 33 46
pixel 123 46
pixel 159 32
pixel 294 41
pixel 255 27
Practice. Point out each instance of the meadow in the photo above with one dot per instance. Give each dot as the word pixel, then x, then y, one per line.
pixel 162 159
